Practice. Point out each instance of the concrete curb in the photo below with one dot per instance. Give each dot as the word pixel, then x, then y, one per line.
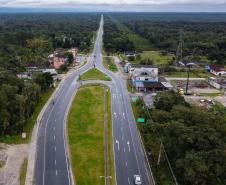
pixel 66 139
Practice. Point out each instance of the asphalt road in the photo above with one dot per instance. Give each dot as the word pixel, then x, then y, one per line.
pixel 52 164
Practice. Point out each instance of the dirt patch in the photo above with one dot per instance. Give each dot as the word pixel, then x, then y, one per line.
pixel 12 157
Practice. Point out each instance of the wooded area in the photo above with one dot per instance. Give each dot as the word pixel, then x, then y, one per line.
pixel 26 41
pixel 203 36
pixel 193 137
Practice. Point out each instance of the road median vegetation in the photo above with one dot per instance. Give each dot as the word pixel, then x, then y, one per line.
pixel 86 136
pixel 110 64
pixel 94 74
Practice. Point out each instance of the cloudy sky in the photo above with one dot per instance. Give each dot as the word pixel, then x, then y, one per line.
pixel 122 5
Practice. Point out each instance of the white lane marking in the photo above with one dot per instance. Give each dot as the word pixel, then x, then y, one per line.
pixel 126 163
pixel 124 150
pixel 124 115
pixel 122 138
pixel 55 162
pixel 54 137
pixel 117 142
pixel 55 120
pixel 55 148
pixel 56 173
pixel 123 103
pixel 54 128
pixel 114 96
pixel 128 180
pixel 115 114
pixel 128 145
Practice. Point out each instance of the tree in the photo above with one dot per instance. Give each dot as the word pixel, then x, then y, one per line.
pixel 44 80
pixel 166 100
pixel 70 57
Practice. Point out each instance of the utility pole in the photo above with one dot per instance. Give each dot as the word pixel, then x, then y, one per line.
pixel 189 69
pixel 189 65
pixel 160 153
pixel 179 53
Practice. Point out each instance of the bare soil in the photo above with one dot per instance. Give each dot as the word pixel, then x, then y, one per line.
pixel 12 157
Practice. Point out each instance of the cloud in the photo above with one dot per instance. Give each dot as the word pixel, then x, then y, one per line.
pixel 28 3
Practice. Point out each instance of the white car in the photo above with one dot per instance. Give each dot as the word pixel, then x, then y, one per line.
pixel 137 179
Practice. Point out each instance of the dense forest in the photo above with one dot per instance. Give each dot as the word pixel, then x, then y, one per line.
pixel 194 139
pixel 115 40
pixel 27 40
pixel 203 36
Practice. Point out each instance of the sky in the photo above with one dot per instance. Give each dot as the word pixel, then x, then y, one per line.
pixel 122 5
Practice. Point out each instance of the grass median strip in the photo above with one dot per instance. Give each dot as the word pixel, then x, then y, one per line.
pixel 94 74
pixel 110 64
pixel 86 136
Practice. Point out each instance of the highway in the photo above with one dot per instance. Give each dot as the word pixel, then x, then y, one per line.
pixel 52 163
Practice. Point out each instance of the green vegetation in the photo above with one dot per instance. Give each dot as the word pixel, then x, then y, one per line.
pixel 192 138
pixel 28 125
pixel 114 40
pixel 26 41
pixel 161 172
pixel 94 74
pixel 23 171
pixel 203 38
pixel 86 135
pixel 140 43
pixel 155 57
pixel 110 139
pixel 110 64
pixel 2 164
pixel 212 94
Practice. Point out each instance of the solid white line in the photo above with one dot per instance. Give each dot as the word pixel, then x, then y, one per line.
pixel 128 180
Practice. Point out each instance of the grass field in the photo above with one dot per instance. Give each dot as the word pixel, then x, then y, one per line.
pixel 16 139
pixel 185 75
pixel 86 136
pixel 23 171
pixel 110 64
pixel 94 74
pixel 157 57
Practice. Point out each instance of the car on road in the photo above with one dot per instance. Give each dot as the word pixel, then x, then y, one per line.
pixel 137 179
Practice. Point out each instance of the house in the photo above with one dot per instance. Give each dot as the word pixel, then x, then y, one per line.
pixel 217 70
pixel 126 67
pixel 58 58
pixel 144 79
pixel 130 53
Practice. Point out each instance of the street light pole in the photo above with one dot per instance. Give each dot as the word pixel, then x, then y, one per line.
pixel 189 67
